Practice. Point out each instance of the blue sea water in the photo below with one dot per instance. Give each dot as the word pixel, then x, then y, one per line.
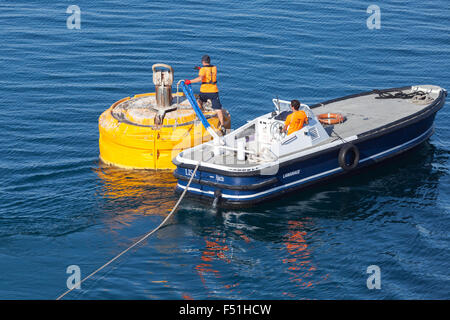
pixel 60 206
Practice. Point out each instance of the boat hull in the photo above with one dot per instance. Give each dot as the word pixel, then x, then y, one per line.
pixel 233 189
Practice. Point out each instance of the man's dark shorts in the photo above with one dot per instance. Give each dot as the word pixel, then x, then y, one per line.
pixel 213 96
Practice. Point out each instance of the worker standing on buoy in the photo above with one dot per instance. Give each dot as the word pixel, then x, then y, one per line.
pixel 207 75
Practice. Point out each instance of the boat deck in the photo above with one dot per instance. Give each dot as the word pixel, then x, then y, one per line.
pixel 363 113
pixel 366 113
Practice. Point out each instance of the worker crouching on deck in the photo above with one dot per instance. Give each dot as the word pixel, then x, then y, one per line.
pixel 296 119
pixel 207 75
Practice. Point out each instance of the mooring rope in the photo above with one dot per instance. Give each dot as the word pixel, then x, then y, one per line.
pixel 142 238
pixel 339 137
pixel 398 94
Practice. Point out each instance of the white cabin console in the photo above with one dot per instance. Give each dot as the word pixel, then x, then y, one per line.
pixel 310 135
pixel 262 139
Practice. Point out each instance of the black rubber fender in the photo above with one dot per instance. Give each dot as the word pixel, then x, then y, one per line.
pixel 349 147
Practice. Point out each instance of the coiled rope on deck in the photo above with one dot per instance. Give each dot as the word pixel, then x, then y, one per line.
pixel 141 239
pixel 417 97
pixel 398 94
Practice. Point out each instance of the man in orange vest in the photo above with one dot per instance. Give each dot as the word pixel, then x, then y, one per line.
pixel 207 75
pixel 296 119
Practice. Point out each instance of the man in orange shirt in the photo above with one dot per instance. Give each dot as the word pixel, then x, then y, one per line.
pixel 296 119
pixel 207 75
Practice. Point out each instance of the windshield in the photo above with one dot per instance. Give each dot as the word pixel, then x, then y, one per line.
pixel 285 106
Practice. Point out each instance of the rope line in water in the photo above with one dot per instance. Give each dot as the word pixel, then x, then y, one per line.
pixel 141 239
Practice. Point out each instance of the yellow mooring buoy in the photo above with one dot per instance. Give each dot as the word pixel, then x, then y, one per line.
pixel 148 130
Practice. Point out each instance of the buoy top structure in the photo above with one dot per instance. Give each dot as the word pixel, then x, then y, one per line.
pixel 148 130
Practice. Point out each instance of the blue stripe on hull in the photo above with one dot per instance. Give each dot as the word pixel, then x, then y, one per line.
pixel 316 168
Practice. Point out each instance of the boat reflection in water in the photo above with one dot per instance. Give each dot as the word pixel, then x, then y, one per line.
pixel 287 249
pixel 230 259
pixel 300 265
pixel 215 249
pixel 286 246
